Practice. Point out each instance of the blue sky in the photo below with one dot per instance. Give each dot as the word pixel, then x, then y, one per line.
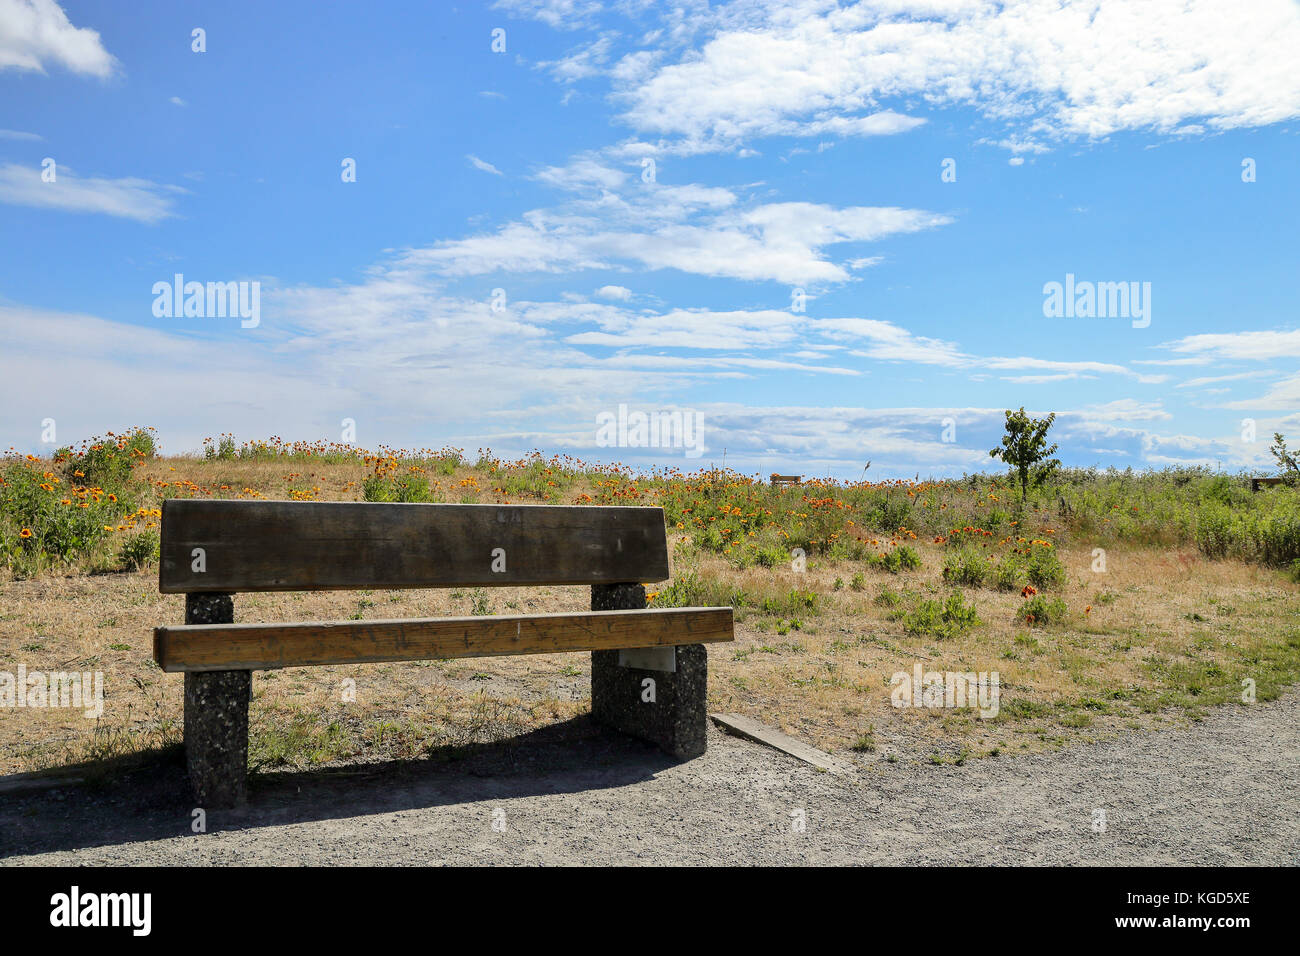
pixel 796 145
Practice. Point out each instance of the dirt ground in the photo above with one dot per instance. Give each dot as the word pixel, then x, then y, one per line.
pixel 1225 790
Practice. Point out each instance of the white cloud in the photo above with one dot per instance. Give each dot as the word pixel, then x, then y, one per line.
pixel 19 135
pixel 113 374
pixel 589 60
pixel 36 32
pixel 1051 365
pixel 1043 379
pixel 1282 396
pixel 693 329
pixel 401 358
pixel 1049 70
pixel 583 173
pixel 561 14
pixel 1213 379
pixel 615 292
pixel 888 342
pixel 892 343
pixel 1258 346
pixel 483 165
pixel 679 228
pixel 176 101
pixel 1172 362
pixel 130 198
pixel 1119 410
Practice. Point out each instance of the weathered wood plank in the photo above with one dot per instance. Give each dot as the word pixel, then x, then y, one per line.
pixel 206 647
pixel 334 545
pixel 751 729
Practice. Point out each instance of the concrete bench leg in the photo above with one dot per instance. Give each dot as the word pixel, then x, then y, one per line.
pixel 670 712
pixel 216 717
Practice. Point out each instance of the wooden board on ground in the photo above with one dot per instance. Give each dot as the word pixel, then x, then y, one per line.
pixel 224 647
pixel 751 729
pixel 230 546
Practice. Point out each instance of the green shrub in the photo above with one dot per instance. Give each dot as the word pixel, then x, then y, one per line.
pixel 1038 611
pixel 1009 575
pixel 409 487
pixel 446 464
pixel 222 449
pixel 138 551
pixel 1213 531
pixel 967 568
pixel 887 598
pixel 1043 568
pixel 798 600
pixel 412 488
pixel 37 529
pixel 902 558
pixel 846 549
pixel 106 462
pixel 377 488
pixel 950 618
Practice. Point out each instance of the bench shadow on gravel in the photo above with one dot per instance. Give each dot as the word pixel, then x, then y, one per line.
pixel 146 797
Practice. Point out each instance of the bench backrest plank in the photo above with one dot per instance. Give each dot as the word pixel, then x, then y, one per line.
pixel 323 546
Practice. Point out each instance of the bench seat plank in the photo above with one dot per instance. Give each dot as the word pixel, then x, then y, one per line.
pixel 223 647
pixel 352 545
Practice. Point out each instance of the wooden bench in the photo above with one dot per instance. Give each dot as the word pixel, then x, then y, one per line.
pixel 786 481
pixel 648 669
pixel 1257 483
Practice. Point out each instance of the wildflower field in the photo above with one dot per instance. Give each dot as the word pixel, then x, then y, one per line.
pixel 1109 602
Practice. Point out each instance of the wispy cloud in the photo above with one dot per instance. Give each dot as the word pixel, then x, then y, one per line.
pixel 618 221
pixel 483 165
pixel 1215 379
pixel 137 199
pixel 562 14
pixel 1257 346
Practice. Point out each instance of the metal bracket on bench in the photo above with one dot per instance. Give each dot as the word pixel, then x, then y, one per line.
pixel 650 658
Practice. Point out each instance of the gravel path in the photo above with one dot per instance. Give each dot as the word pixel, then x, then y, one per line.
pixel 1225 791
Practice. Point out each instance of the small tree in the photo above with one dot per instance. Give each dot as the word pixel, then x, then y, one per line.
pixel 1286 463
pixel 1025 449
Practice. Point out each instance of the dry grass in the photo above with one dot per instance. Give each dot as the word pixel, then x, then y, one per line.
pixel 1168 633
